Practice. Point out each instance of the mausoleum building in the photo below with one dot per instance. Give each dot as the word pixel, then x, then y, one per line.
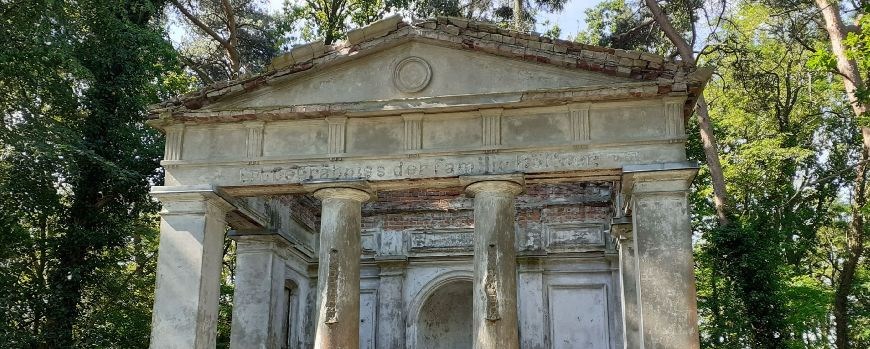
pixel 437 184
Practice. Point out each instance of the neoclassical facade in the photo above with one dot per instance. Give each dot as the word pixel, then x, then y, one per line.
pixel 437 184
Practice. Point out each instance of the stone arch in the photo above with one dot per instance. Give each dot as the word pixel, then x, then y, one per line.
pixel 441 314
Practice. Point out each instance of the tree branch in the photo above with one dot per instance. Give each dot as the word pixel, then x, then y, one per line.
pixel 199 24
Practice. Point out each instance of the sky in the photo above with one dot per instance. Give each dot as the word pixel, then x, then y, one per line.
pixel 573 18
pixel 570 20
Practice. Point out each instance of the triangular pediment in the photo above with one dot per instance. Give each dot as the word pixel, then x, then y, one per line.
pixel 420 63
pixel 417 70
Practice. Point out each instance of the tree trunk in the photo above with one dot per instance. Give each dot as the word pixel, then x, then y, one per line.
pixel 853 82
pixel 711 152
pixel 854 250
pixel 711 146
pixel 66 288
pixel 847 67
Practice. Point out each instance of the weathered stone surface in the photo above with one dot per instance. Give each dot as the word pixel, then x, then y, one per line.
pixel 189 261
pixel 374 30
pixel 495 284
pixel 662 244
pixel 338 280
pixel 258 300
pixel 422 113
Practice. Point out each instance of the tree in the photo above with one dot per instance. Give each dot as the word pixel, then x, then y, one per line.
pixel 856 92
pixel 77 161
pixel 229 38
pixel 765 280
pixel 711 148
pixel 648 27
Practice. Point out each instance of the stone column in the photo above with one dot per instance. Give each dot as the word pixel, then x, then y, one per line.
pixel 391 313
pixel 338 268
pixel 621 230
pixel 495 274
pixel 192 227
pixel 663 255
pixel 258 302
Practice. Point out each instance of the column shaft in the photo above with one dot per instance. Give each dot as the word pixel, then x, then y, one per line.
pixel 259 307
pixel 495 277
pixel 338 270
pixel 192 228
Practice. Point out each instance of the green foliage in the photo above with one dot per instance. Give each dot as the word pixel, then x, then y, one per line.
pixel 788 153
pixel 628 24
pixel 78 233
pixel 76 165
pixel 255 37
pixel 552 31
pixel 331 19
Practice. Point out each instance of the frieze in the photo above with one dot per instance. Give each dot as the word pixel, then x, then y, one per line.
pixel 459 165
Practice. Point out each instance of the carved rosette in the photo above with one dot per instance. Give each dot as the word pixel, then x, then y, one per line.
pixel 412 74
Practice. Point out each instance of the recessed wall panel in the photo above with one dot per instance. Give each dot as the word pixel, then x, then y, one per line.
pixel 375 136
pixel 634 122
pixel 294 138
pixel 214 142
pixel 578 316
pixel 536 129
pixel 451 132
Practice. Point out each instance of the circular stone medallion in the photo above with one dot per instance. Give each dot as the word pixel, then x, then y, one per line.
pixel 412 75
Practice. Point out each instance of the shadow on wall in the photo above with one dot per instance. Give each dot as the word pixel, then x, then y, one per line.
pixel 445 320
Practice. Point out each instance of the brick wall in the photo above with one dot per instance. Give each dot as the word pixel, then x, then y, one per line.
pixel 449 208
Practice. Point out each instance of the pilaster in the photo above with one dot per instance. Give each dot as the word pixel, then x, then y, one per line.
pixel 662 241
pixel 621 230
pixel 259 305
pixel 192 227
pixel 530 302
pixel 391 309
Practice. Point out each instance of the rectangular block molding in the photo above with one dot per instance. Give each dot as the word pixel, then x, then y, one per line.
pixel 676 125
pixel 255 139
pixel 413 131
pixel 337 135
pixel 580 122
pixel 174 142
pixel 491 121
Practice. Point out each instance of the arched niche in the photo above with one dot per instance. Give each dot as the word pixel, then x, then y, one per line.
pixel 442 315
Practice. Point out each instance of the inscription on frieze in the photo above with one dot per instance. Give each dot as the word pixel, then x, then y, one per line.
pixel 459 165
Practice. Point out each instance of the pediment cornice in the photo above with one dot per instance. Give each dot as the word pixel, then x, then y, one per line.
pixel 648 75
